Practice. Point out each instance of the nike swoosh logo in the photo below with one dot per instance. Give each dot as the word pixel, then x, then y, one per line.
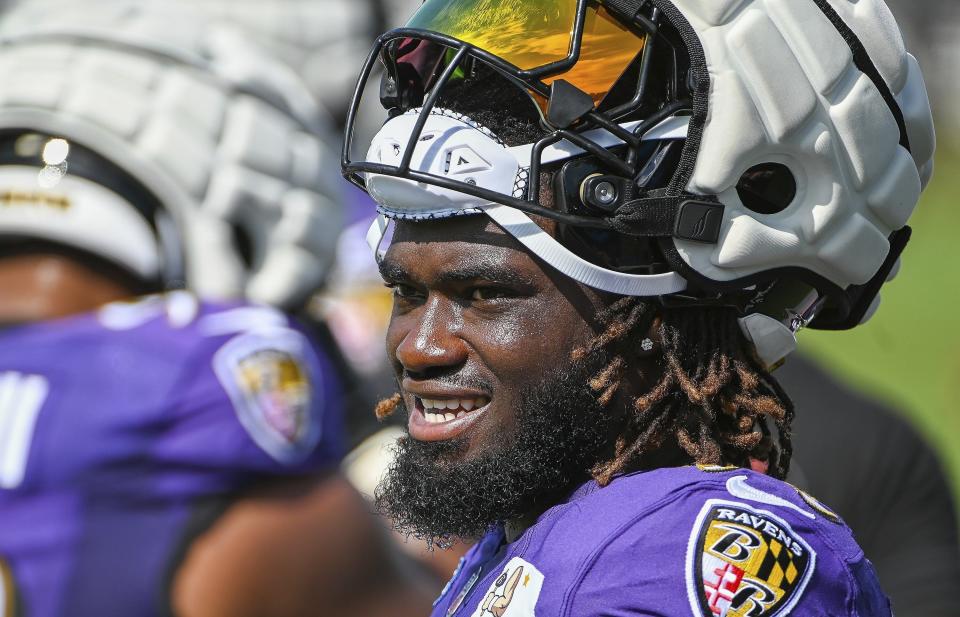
pixel 738 487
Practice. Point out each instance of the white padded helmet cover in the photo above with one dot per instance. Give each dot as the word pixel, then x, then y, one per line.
pixel 785 89
pixel 320 40
pixel 224 136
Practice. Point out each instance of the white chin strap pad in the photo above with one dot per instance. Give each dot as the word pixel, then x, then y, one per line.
pixel 456 148
pixel 544 246
pixel 69 210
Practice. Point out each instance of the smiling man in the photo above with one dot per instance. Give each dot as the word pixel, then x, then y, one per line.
pixel 600 250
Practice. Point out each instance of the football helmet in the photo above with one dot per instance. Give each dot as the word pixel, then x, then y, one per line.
pixel 762 154
pixel 285 29
pixel 182 153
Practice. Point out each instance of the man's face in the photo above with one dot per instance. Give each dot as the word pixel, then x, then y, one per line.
pixel 477 322
pixel 483 331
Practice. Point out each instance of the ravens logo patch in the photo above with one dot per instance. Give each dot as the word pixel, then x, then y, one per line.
pixel 267 377
pixel 745 562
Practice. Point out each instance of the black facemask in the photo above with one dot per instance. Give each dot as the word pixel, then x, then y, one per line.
pixel 561 433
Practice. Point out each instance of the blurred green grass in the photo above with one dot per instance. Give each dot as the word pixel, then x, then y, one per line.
pixel 909 353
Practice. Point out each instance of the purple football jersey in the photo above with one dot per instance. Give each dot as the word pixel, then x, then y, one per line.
pixel 121 430
pixel 711 542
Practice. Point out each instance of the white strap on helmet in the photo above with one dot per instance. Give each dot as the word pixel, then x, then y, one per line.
pixel 546 247
pixel 376 234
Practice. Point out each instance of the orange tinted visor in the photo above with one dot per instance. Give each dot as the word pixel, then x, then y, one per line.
pixel 530 34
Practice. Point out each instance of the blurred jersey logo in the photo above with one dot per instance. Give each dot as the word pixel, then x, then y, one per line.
pixel 746 563
pixel 277 385
pixel 272 391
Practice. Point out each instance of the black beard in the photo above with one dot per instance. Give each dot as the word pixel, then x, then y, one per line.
pixel 561 433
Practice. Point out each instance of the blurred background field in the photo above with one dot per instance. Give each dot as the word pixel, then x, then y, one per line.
pixel 909 354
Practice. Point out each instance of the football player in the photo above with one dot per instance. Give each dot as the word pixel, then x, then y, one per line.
pixel 162 454
pixel 604 224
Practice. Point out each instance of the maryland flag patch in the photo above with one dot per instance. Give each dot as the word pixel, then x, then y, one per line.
pixel 744 562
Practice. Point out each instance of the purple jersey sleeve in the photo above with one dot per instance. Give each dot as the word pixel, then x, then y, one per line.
pixel 707 543
pixel 744 545
pixel 253 398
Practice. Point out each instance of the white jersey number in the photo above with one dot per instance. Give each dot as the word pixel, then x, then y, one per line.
pixel 21 398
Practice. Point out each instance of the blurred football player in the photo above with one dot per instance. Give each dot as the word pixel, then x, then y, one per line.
pixel 892 492
pixel 162 454
pixel 609 221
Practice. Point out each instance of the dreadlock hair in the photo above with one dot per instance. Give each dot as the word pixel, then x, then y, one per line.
pixel 713 398
pixel 713 401
pixel 387 407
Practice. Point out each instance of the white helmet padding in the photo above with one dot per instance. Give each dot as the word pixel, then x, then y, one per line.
pixel 227 139
pixel 786 87
pixel 455 147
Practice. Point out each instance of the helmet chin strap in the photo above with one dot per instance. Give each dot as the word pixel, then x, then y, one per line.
pixel 547 248
pixel 376 234
pixel 771 339
pixel 774 340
